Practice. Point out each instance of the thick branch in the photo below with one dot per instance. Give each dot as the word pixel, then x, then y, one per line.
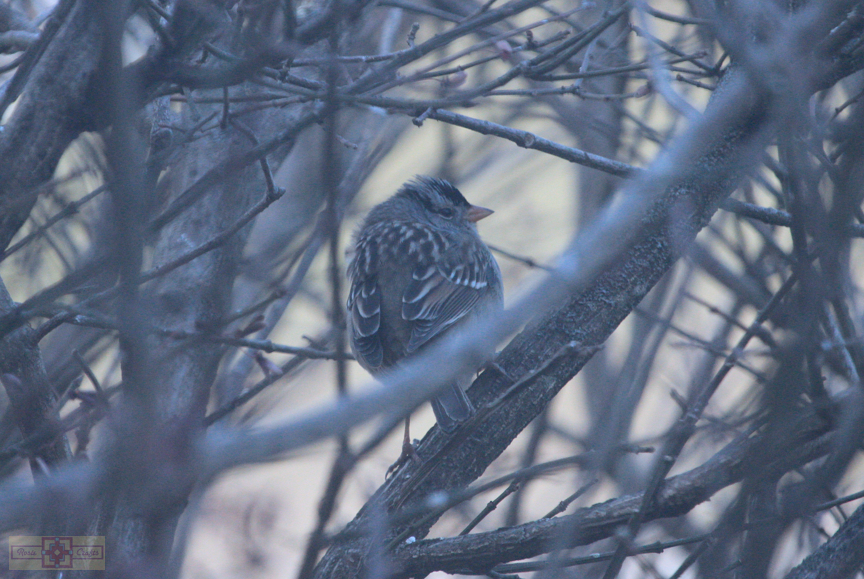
pixel 31 397
pixel 50 114
pixel 478 553
pixel 709 160
pixel 840 557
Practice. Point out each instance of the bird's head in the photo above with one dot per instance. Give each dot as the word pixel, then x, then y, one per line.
pixel 439 203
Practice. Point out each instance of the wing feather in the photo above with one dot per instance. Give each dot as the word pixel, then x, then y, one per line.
pixel 439 296
pixel 364 308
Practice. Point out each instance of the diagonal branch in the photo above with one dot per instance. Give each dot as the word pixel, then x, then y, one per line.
pixel 696 174
pixel 480 552
pixel 698 171
pixel 840 557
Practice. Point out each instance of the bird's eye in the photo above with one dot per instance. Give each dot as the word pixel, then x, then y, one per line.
pixel 446 212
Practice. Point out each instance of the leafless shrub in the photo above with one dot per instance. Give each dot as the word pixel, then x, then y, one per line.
pixel 177 182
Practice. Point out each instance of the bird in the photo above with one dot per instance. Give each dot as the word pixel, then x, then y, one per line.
pixel 419 269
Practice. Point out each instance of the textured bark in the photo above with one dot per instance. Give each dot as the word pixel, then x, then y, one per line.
pixel 64 95
pixel 30 394
pixel 838 558
pixel 480 552
pixel 192 298
pixel 196 297
pixel 53 111
pixel 32 402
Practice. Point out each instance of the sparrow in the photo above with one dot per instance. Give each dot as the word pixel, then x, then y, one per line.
pixel 420 269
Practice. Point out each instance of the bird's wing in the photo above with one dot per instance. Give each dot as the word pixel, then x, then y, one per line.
pixel 440 294
pixel 364 307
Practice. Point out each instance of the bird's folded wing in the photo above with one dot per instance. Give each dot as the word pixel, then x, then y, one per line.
pixel 364 307
pixel 439 295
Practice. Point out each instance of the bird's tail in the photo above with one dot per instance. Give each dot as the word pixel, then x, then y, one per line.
pixel 452 407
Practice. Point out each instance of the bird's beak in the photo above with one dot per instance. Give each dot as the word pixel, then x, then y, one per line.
pixel 475 213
